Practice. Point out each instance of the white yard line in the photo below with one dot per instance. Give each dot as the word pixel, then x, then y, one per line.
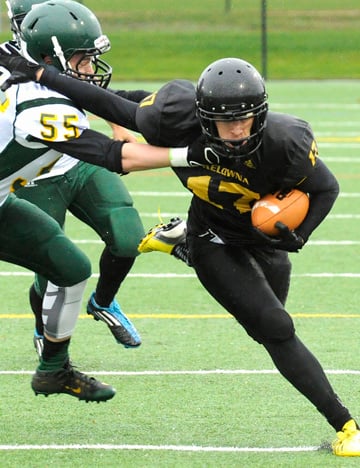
pixel 172 448
pixel 190 372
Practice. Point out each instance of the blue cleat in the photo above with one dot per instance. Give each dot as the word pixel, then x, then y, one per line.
pixel 38 341
pixel 120 326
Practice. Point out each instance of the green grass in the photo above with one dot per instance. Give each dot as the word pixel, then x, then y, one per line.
pixel 166 39
pixel 154 415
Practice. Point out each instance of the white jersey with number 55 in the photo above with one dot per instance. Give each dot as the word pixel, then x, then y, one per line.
pixel 28 113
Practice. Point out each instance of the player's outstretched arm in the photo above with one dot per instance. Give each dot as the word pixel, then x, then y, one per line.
pixel 133 156
pixel 139 156
pixel 99 101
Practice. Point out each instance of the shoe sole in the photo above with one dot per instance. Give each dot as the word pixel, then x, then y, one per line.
pixel 103 399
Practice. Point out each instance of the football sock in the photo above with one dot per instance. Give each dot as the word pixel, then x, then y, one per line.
pixel 55 355
pixel 181 252
pixel 113 270
pixel 36 307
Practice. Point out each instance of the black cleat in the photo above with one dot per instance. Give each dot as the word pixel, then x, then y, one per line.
pixel 72 382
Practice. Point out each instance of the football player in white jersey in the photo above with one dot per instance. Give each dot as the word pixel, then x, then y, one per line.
pixel 31 238
pixel 38 127
pixel 93 194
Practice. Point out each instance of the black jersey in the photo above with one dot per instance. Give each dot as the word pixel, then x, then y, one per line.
pixel 224 194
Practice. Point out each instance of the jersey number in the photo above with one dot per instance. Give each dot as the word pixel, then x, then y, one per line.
pixel 50 132
pixel 224 195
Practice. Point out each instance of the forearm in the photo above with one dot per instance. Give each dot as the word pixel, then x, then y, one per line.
pixel 100 102
pixel 98 149
pixel 323 189
pixel 92 147
pixel 140 156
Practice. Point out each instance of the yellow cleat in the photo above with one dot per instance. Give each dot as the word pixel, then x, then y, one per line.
pixel 164 237
pixel 347 443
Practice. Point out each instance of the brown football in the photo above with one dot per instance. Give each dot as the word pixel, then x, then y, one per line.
pixel 290 208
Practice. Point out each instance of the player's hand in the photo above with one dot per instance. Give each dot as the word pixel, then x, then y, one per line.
pixel 286 240
pixel 8 49
pixel 21 70
pixel 200 154
pixel 122 133
pixel 197 153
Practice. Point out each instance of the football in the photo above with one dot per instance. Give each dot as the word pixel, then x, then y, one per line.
pixel 290 208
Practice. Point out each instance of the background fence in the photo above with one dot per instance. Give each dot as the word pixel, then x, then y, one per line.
pixel 165 39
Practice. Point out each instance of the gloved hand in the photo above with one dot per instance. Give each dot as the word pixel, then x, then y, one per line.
pixel 286 240
pixel 198 153
pixel 21 70
pixel 9 49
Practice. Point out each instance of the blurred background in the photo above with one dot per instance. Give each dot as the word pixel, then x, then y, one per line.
pixel 158 40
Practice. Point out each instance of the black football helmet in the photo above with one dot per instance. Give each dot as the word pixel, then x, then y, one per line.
pixel 231 89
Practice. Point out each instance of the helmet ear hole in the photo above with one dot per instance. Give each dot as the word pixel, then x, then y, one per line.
pixel 231 89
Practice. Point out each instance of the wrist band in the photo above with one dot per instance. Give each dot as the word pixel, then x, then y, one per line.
pixel 178 157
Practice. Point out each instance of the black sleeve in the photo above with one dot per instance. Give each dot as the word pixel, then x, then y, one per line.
pixel 100 102
pixel 133 95
pixel 92 147
pixel 323 189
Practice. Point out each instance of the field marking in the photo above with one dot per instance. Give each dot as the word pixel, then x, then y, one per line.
pixel 189 316
pixel 310 243
pixel 195 372
pixel 315 105
pixel 339 159
pixel 184 215
pixel 166 215
pixel 172 448
pixel 187 194
pixel 193 275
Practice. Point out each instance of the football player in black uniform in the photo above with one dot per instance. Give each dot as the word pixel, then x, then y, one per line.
pixel 248 273
pixel 250 152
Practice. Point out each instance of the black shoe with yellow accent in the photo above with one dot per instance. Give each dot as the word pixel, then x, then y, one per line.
pixel 164 237
pixel 71 382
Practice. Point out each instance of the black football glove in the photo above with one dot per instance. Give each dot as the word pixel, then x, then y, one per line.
pixel 286 239
pixel 21 70
pixel 200 154
pixel 8 48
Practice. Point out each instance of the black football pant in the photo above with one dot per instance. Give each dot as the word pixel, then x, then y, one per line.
pixel 252 285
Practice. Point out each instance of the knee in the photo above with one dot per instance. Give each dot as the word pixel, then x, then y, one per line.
pixel 272 326
pixel 69 264
pixel 125 233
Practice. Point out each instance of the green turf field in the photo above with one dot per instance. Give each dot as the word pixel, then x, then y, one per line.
pixel 166 39
pixel 198 392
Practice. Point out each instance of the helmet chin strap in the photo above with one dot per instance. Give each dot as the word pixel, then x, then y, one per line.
pixel 58 51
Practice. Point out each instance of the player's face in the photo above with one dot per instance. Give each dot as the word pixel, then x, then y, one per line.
pixel 234 129
pixel 81 63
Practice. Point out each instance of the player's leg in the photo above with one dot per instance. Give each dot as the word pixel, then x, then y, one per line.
pixel 236 280
pixel 276 267
pixel 52 195
pixel 104 203
pixel 32 239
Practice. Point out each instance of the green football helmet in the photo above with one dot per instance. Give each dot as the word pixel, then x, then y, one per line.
pixel 17 10
pixel 61 28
